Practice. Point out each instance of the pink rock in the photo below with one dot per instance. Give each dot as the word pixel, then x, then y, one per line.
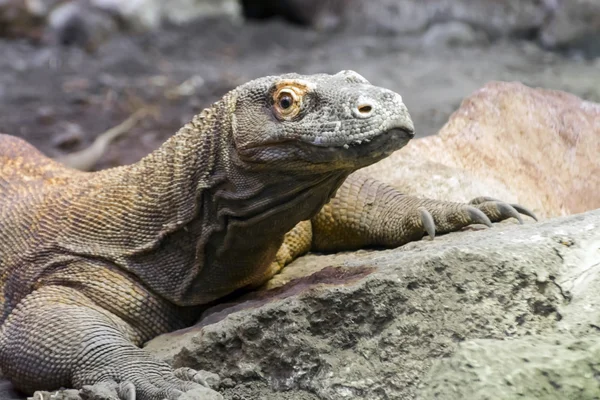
pixel 539 148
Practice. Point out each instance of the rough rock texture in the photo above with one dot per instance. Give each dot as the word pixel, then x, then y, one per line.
pixel 554 367
pixel 371 324
pixel 530 146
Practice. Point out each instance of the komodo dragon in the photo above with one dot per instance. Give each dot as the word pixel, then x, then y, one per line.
pixel 92 265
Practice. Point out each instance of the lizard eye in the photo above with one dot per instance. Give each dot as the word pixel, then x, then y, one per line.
pixel 287 103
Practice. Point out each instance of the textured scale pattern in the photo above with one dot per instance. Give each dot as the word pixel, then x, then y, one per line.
pixel 92 265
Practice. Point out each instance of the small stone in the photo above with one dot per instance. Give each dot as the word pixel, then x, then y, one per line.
pixel 453 34
pixel 46 115
pixel 212 380
pixel 227 383
pixel 542 276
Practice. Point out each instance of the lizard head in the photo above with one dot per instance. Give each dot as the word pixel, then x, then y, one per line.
pixel 317 122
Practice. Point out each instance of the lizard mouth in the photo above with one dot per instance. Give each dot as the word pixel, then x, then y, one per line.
pixel 359 151
pixel 390 138
pixel 379 146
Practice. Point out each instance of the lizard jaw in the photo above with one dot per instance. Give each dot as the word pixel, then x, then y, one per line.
pixel 353 154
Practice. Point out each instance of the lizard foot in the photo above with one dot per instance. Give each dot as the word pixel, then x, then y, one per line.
pixel 481 210
pixel 497 210
pixel 181 384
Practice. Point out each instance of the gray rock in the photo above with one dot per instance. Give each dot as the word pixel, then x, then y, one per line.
pixel 201 394
pixel 453 34
pixel 209 379
pixel 550 367
pixel 150 14
pixel 80 24
pixel 371 324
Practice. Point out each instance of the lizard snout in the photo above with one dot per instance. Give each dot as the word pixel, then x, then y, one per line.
pixel 404 132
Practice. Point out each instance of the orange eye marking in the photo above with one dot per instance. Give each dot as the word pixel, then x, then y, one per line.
pixel 288 96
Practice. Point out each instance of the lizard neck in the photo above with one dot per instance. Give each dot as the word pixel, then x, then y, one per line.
pixel 244 223
pixel 177 172
pixel 208 223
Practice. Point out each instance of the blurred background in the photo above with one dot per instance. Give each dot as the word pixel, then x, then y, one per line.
pixel 72 69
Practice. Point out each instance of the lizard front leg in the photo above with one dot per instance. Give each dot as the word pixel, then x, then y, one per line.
pixel 73 336
pixel 366 212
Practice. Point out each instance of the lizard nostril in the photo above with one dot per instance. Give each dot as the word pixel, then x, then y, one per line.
pixel 364 108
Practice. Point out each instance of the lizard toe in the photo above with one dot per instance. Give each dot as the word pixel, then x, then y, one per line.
pixel 482 199
pixel 503 212
pixel 200 377
pixel 499 211
pixel 190 385
pixel 126 391
pixel 159 389
pixel 109 390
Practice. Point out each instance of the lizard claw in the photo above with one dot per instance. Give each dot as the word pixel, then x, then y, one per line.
pixel 478 217
pixel 428 222
pixel 524 211
pixel 508 211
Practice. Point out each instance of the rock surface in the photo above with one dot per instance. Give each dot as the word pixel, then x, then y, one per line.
pixel 529 146
pixel 371 324
pixel 554 367
pixel 151 14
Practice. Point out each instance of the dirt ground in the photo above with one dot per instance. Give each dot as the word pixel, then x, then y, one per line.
pixel 59 99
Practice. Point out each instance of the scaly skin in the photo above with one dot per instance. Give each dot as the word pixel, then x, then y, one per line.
pixel 92 265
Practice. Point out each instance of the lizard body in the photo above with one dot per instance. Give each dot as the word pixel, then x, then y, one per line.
pixel 92 265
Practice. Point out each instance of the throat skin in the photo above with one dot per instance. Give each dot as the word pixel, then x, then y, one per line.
pixel 191 220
